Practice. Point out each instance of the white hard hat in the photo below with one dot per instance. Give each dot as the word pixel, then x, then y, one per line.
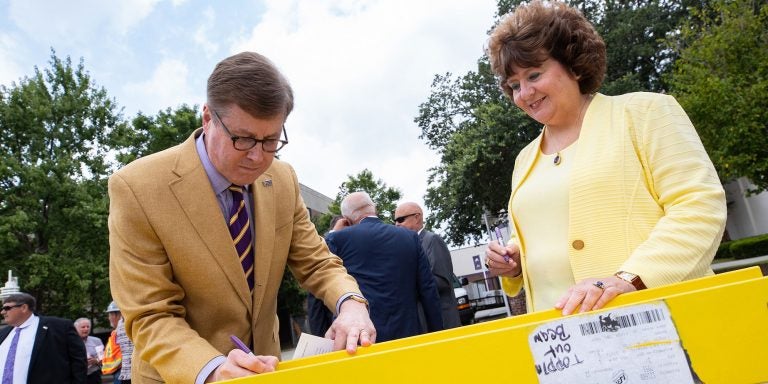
pixel 112 307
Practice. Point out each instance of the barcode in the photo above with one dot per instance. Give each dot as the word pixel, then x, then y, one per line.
pixel 608 323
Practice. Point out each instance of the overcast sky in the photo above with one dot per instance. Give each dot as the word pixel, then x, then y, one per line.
pixel 359 69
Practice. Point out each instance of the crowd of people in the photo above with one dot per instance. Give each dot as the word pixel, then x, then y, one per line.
pixel 616 194
pixel 45 349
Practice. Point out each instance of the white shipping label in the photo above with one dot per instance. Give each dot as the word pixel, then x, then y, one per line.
pixel 627 345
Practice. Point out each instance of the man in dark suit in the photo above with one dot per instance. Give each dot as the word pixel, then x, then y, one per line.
pixel 390 267
pixel 409 215
pixel 56 355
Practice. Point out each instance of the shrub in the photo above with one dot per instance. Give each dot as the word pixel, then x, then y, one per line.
pixel 724 250
pixel 750 247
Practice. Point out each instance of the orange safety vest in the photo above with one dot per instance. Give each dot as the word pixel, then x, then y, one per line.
pixel 113 358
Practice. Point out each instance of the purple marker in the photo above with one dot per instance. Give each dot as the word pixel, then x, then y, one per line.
pixel 240 345
pixel 501 242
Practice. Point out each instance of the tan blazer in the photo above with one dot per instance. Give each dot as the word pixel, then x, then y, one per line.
pixel 175 273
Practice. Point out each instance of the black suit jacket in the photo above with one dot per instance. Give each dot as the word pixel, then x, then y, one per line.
pixel 58 355
pixel 442 268
pixel 393 274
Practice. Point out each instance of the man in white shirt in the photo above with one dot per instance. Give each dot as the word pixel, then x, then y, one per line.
pixel 40 349
pixel 94 350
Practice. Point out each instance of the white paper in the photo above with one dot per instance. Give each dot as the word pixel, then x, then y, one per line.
pixel 634 344
pixel 310 345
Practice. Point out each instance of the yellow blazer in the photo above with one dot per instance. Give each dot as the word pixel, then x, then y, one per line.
pixel 175 273
pixel 643 195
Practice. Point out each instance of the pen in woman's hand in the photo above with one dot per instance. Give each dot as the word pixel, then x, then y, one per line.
pixel 501 243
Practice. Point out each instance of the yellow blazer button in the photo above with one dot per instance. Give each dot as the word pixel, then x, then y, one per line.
pixel 577 245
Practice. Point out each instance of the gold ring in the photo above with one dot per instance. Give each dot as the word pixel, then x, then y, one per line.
pixel 599 284
pixel 487 263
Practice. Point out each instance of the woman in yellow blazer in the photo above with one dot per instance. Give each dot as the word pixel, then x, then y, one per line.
pixel 616 194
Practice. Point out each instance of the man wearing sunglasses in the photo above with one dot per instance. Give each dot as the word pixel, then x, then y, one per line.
pixel 38 349
pixel 201 233
pixel 409 215
pixel 390 267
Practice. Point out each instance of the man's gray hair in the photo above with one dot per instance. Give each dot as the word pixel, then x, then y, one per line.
pixel 357 205
pixel 82 319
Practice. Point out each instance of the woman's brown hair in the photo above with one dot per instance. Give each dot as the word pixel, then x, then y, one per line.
pixel 534 32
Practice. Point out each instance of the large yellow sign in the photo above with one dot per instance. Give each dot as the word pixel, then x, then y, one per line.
pixel 713 330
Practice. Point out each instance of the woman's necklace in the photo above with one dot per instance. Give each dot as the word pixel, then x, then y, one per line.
pixel 559 158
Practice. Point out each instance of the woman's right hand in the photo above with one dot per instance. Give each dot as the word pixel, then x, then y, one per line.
pixel 503 261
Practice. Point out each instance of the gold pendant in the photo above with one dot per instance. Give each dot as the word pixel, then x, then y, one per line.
pixel 558 159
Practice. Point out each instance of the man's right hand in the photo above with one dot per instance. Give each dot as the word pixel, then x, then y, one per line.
pixel 341 224
pixel 241 364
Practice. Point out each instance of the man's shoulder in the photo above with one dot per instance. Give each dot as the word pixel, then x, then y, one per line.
pixel 280 166
pixel 280 170
pixel 426 234
pixel 161 161
pixel 404 232
pixel 429 236
pixel 58 322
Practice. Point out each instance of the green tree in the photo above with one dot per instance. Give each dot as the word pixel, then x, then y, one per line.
pixel 478 131
pixel 721 79
pixel 383 196
pixel 635 32
pixel 150 134
pixel 53 196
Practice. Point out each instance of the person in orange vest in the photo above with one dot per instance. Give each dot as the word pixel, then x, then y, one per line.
pixel 113 358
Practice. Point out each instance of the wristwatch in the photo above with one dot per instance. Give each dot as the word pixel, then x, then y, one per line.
pixel 357 298
pixel 632 279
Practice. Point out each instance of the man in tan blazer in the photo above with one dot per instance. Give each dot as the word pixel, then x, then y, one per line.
pixel 174 268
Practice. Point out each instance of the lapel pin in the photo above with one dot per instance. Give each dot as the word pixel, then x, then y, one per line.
pixel 267 183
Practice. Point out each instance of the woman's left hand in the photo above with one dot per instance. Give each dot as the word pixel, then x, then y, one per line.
pixel 592 294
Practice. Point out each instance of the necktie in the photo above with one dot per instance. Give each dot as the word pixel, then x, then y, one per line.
pixel 8 370
pixel 240 229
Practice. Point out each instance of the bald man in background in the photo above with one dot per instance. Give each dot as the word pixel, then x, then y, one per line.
pixel 390 266
pixel 409 215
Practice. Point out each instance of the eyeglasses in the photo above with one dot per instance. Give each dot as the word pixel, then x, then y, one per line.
pixel 7 308
pixel 402 218
pixel 246 143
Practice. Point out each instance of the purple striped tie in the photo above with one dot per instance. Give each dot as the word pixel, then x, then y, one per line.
pixel 8 370
pixel 240 229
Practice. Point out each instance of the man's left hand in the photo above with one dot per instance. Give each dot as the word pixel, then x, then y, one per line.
pixel 353 325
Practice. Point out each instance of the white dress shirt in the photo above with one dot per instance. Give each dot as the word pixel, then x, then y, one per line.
pixel 23 349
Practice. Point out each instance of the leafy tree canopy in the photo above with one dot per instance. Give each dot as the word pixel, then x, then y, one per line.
pixel 53 198
pixel 383 196
pixel 62 138
pixel 721 79
pixel 150 134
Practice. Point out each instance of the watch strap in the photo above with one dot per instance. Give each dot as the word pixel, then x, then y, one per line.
pixel 631 278
pixel 357 298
